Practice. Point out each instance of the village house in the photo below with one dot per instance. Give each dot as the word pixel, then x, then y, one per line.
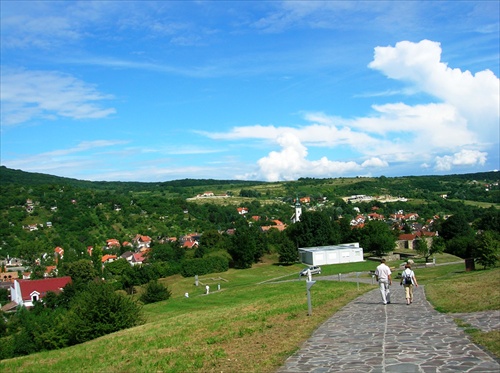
pixel 26 292
pixel 277 225
pixel 141 241
pixel 58 253
pixel 8 276
pixel 108 258
pixel 190 241
pixel 358 220
pixel 242 210
pixel 409 240
pixel 133 258
pixel 375 216
pixel 112 243
pixel 50 271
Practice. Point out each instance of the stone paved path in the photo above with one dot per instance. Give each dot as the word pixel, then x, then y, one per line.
pixel 366 336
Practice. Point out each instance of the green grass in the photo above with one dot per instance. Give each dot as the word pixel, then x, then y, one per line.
pixel 251 325
pixel 478 289
pixel 488 340
pixel 452 290
pixel 477 203
pixel 241 328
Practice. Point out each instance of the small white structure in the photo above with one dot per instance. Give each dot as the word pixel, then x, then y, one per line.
pixel 335 254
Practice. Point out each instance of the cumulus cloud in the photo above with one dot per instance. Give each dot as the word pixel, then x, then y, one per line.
pixel 462 158
pixel 291 163
pixel 28 95
pixel 475 97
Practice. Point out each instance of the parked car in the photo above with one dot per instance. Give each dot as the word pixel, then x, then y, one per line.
pixel 315 270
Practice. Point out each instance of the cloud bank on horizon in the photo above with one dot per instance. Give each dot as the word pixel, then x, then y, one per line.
pixel 407 110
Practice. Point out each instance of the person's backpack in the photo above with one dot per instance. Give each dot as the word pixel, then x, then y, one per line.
pixel 407 278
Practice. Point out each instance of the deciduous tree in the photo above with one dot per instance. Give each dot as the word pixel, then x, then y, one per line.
pixel 487 251
pixel 376 237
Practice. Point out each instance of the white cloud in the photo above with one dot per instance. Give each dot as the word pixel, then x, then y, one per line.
pixel 28 95
pixel 374 162
pixel 475 97
pixel 466 116
pixel 291 163
pixel 462 158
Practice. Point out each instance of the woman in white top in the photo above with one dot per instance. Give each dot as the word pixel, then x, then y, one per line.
pixel 408 279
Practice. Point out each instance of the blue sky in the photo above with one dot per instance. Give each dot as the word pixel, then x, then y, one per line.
pixel 270 91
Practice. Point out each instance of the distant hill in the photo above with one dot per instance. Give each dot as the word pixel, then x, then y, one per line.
pixel 11 176
pixel 481 186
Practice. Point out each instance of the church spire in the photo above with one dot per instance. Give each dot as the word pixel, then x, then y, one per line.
pixel 298 211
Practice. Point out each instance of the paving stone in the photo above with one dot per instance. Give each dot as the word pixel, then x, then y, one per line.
pixel 367 336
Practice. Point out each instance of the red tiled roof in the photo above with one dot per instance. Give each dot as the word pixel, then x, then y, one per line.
pixel 139 257
pixel 107 257
pixel 49 269
pixel 42 286
pixel 407 237
pixel 189 244
pixel 142 238
pixel 266 228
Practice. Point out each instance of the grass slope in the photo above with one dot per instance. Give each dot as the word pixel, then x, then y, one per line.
pixel 253 323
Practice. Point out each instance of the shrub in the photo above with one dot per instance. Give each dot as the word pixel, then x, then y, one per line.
pixel 98 311
pixel 155 292
pixel 203 266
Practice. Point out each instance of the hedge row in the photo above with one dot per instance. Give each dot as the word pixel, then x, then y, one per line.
pixel 203 266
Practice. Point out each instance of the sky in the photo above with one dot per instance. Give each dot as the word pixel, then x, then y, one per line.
pixel 155 91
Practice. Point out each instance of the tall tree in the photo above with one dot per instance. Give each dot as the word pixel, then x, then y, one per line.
pixel 376 237
pixel 487 250
pixel 288 252
pixel 81 272
pixel 314 229
pixel 243 248
pixel 97 259
pixel 426 249
pixel 455 226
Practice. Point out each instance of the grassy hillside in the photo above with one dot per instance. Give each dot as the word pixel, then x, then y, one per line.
pixel 256 320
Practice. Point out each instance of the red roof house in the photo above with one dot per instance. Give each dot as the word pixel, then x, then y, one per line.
pixel 25 292
pixel 108 258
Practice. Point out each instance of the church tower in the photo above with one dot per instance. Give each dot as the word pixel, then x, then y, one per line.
pixel 298 211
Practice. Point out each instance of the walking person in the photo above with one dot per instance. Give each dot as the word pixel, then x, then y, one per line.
pixel 408 279
pixel 383 277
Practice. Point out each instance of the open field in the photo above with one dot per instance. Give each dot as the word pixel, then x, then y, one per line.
pixel 478 204
pixel 251 325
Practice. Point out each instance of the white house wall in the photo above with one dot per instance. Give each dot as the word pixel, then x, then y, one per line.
pixel 15 293
pixel 333 257
pixel 324 255
pixel 319 258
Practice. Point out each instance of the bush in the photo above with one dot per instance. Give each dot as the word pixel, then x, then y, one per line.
pixel 203 266
pixel 167 269
pixel 98 311
pixel 155 292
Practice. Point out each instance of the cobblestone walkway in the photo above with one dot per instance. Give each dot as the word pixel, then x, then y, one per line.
pixel 366 336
